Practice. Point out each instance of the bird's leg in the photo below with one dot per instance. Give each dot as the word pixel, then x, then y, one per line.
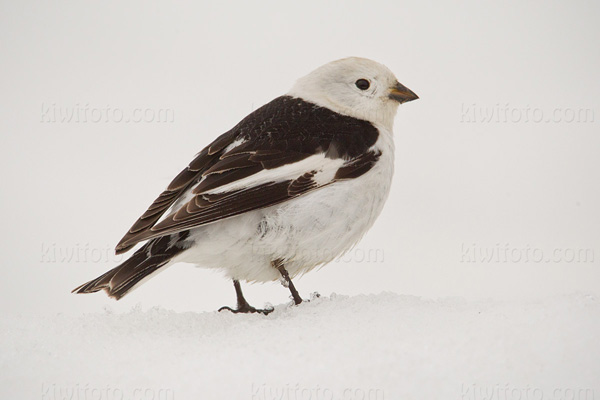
pixel 288 282
pixel 242 304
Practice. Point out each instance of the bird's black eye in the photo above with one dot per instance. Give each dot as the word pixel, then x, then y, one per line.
pixel 362 84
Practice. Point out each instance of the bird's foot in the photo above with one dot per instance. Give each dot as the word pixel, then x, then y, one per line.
pixel 248 309
pixel 242 304
pixel 297 300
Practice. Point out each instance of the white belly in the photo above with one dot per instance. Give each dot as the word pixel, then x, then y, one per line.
pixel 305 232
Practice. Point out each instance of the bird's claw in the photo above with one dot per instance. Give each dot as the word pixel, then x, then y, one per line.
pixel 248 310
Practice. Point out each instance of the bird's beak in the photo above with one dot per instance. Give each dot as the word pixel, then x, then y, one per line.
pixel 402 94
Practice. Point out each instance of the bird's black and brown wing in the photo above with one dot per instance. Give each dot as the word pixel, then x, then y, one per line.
pixel 271 156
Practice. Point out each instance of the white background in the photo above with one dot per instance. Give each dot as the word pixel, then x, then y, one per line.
pixel 73 185
pixel 463 183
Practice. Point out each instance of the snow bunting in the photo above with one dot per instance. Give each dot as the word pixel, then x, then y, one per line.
pixel 291 187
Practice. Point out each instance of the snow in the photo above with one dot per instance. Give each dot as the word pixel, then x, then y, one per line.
pixel 384 346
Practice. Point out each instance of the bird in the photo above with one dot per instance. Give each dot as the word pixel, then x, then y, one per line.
pixel 291 187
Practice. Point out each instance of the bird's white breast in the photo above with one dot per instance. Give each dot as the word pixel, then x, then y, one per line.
pixel 304 232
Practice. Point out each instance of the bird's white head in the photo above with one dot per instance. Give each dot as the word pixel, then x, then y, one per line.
pixel 357 87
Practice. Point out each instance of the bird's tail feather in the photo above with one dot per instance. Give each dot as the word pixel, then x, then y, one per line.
pixel 140 266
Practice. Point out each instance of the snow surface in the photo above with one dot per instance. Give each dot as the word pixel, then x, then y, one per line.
pixel 384 346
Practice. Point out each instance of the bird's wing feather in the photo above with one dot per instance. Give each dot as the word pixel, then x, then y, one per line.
pixel 283 150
